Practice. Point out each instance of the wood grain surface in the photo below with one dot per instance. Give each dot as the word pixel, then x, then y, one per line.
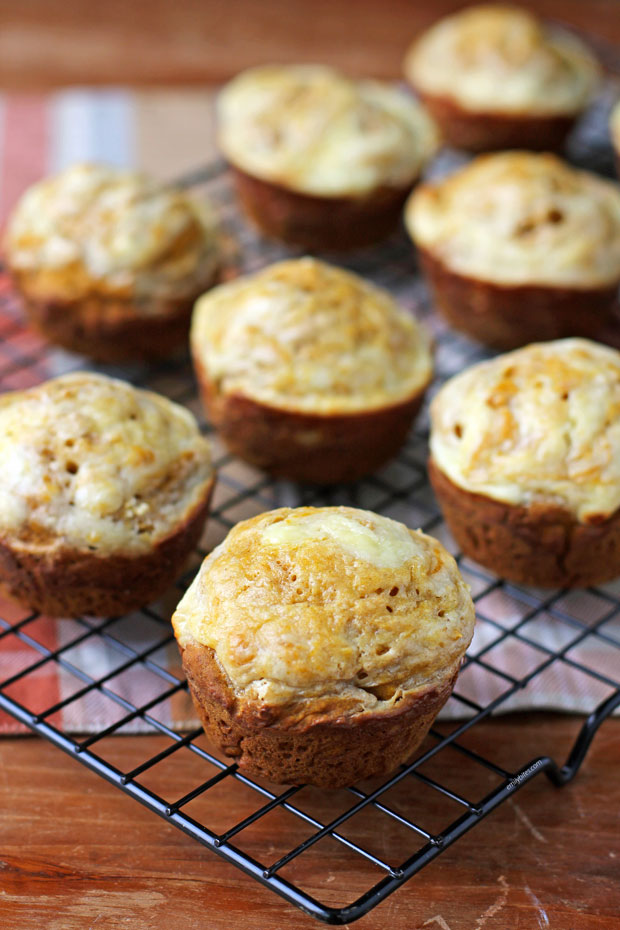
pixel 54 42
pixel 75 853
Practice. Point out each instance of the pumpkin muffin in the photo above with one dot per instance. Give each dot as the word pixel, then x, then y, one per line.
pixel 496 77
pixel 105 492
pixel 308 371
pixel 520 247
pixel 525 462
pixel 319 644
pixel 109 262
pixel 321 160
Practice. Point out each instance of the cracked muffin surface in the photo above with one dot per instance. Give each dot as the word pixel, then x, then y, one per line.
pixel 539 426
pixel 520 218
pixel 92 463
pixel 315 131
pixel 499 58
pixel 307 336
pixel 322 613
pixel 97 230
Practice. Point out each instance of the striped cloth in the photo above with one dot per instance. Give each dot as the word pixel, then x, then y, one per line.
pixel 166 133
pixel 99 657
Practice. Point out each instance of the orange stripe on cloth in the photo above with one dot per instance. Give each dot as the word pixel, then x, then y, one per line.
pixel 25 146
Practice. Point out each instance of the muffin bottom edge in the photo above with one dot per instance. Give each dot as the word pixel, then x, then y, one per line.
pixel 494 131
pixel 301 446
pixel 543 546
pixel 74 582
pixel 327 754
pixel 321 223
pixel 507 316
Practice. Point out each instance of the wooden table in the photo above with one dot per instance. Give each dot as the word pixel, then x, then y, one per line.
pixel 52 42
pixel 75 853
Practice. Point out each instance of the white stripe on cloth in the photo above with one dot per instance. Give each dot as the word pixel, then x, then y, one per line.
pixel 91 125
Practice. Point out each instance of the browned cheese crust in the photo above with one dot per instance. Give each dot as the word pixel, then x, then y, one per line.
pixel 320 643
pixel 106 490
pixel 330 753
pixel 109 262
pixel 541 545
pixel 308 371
pixel 508 316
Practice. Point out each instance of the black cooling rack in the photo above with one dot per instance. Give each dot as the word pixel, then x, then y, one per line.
pixel 509 618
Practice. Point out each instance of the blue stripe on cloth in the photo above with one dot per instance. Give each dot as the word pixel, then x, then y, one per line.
pixel 91 125
pixel 113 128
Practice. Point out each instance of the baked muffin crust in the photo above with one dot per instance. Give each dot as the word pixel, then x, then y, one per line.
pixel 312 130
pixel 325 614
pixel 519 218
pixel 539 427
pixel 94 230
pixel 92 464
pixel 502 59
pixel 303 335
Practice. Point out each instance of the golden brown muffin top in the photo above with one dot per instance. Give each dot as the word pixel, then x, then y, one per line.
pixel 304 335
pixel 521 218
pixel 89 462
pixel 328 604
pixel 311 129
pixel 614 126
pixel 539 425
pixel 502 59
pixel 94 229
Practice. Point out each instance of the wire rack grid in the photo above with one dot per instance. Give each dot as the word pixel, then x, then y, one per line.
pixel 418 808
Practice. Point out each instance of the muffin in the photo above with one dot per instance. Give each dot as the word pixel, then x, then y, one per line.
pixel 320 643
pixel 614 127
pixel 308 371
pixel 525 462
pixel 495 77
pixel 321 160
pixel 520 247
pixel 104 494
pixel 109 263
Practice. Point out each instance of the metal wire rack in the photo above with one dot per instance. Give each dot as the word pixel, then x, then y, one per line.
pixel 509 617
